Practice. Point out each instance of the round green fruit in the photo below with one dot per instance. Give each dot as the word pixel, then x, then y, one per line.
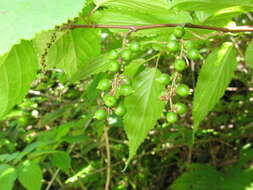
pixel 114 67
pixel 109 101
pixel 179 31
pixel 135 46
pixel 172 37
pixel 126 90
pixel 114 54
pixel 173 46
pixel 179 65
pixel 125 79
pixel 193 54
pixel 183 90
pixel 180 108
pixel 120 110
pixel 104 84
pixel 171 117
pixel 163 79
pixel 189 45
pixel 100 114
pixel 126 55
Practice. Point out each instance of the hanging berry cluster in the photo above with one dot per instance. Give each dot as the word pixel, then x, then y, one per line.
pixel 116 86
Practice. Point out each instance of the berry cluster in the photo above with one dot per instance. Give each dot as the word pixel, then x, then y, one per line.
pixel 183 51
pixel 116 86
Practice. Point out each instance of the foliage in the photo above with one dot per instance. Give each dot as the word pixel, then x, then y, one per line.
pixel 87 91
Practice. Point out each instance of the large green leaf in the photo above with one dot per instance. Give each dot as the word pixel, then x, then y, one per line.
pixel 214 77
pixel 18 69
pixel 141 13
pixel 141 5
pixel 93 66
pixel 23 19
pixel 199 177
pixel 7 177
pixel 144 108
pixel 74 49
pixel 249 55
pixel 209 5
pixel 30 175
pixel 61 160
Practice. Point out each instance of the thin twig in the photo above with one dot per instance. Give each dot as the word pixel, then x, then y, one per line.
pixel 134 28
pixel 108 155
pixel 52 180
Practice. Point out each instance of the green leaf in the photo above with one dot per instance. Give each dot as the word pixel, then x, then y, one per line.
pixel 132 68
pixel 18 69
pixel 141 13
pixel 94 66
pixel 144 108
pixel 30 175
pixel 61 160
pixel 23 19
pixel 214 77
pixel 142 5
pixel 7 177
pixel 199 177
pixel 208 5
pixel 249 55
pixel 74 49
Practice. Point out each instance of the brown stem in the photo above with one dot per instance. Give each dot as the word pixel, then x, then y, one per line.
pixel 135 28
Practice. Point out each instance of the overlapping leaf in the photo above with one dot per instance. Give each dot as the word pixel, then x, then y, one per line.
pixel 7 177
pixel 144 108
pixel 74 50
pixel 214 77
pixel 23 19
pixel 17 70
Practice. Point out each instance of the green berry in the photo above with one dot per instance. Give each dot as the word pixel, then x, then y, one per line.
pixel 114 67
pixel 125 79
pixel 189 45
pixel 126 90
pixel 173 46
pixel 193 54
pixel 183 90
pixel 126 55
pixel 114 54
pixel 163 79
pixel 120 110
pixel 179 65
pixel 172 37
pixel 171 117
pixel 180 108
pixel 100 114
pixel 104 84
pixel 109 101
pixel 179 31
pixel 135 46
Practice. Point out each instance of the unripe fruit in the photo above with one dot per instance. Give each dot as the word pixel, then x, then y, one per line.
pixel 193 54
pixel 179 31
pixel 126 55
pixel 114 54
pixel 135 46
pixel 100 114
pixel 171 117
pixel 126 90
pixel 163 79
pixel 125 79
pixel 172 37
pixel 114 67
pixel 183 90
pixel 109 101
pixel 173 46
pixel 120 110
pixel 179 65
pixel 104 84
pixel 189 45
pixel 180 108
